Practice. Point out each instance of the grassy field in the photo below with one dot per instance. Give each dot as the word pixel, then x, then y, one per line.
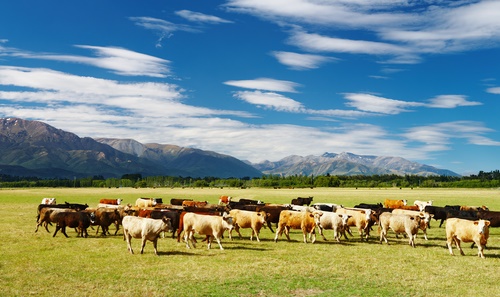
pixel 38 264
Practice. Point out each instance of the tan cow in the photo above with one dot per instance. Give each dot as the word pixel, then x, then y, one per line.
pixel 211 226
pixel 458 230
pixel 425 218
pixel 145 202
pixel 360 218
pixel 399 223
pixel 303 220
pixel 248 219
pixel 146 229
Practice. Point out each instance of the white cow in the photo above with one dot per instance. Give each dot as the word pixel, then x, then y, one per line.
pixel 331 220
pixel 212 226
pixel 146 229
pixel 49 201
pixel 422 204
pixel 399 223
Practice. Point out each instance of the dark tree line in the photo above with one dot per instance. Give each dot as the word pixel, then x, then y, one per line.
pixel 481 180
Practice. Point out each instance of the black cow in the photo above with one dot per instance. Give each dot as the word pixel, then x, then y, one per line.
pixel 178 201
pixel 274 211
pixel 173 215
pixel 302 200
pixel 492 216
pixel 372 206
pixel 437 212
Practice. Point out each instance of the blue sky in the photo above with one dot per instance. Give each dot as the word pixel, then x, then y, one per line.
pixel 263 79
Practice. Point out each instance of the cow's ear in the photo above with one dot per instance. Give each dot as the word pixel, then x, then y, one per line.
pixel 476 222
pixel 487 223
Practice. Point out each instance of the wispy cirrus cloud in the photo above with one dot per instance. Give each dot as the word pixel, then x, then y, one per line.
pixel 438 137
pixel 120 61
pixel 376 104
pixel 200 17
pixel 299 61
pixel 402 31
pixel 265 84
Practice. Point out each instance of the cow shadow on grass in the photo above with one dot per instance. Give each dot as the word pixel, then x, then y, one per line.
pixel 175 253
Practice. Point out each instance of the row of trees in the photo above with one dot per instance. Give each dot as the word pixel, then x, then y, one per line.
pixel 481 180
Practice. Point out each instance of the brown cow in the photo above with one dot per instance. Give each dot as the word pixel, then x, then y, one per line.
pixel 80 220
pixel 388 203
pixel 303 220
pixel 110 201
pixel 187 203
pixel 104 217
pixel 224 200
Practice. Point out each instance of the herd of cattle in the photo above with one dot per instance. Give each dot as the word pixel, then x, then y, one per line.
pixel 149 218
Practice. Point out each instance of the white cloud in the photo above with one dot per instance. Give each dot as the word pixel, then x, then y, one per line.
pixel 403 30
pixel 438 137
pixel 298 61
pixel 119 60
pixel 451 101
pixel 161 26
pixel 265 84
pixel 270 100
pixel 494 90
pixel 376 104
pixel 200 17
pixel 315 42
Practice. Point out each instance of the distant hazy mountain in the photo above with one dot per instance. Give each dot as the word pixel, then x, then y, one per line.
pixel 33 148
pixel 348 164
pixel 194 162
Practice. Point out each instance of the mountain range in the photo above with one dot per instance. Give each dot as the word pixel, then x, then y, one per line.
pixel 348 164
pixel 33 148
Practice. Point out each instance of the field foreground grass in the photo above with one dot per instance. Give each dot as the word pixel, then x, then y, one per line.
pixel 42 265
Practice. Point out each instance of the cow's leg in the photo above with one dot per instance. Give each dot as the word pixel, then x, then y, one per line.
pixel 57 229
pixel 321 232
pixel 209 241
pixel 449 244
pixel 480 249
pixel 155 244
pixel 287 233
pixel 457 242
pixel 128 238
pixel 118 228
pixel 312 236
pixel 143 243
pixel 269 225
pixel 63 231
pixel 279 231
pixel 440 224
pixel 218 241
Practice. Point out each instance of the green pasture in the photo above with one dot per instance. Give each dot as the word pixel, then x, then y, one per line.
pixel 37 264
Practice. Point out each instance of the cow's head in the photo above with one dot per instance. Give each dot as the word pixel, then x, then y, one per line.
pixel 92 217
pixel 262 217
pixel 345 218
pixel 168 224
pixel 118 201
pixel 405 202
pixel 482 226
pixel 227 221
